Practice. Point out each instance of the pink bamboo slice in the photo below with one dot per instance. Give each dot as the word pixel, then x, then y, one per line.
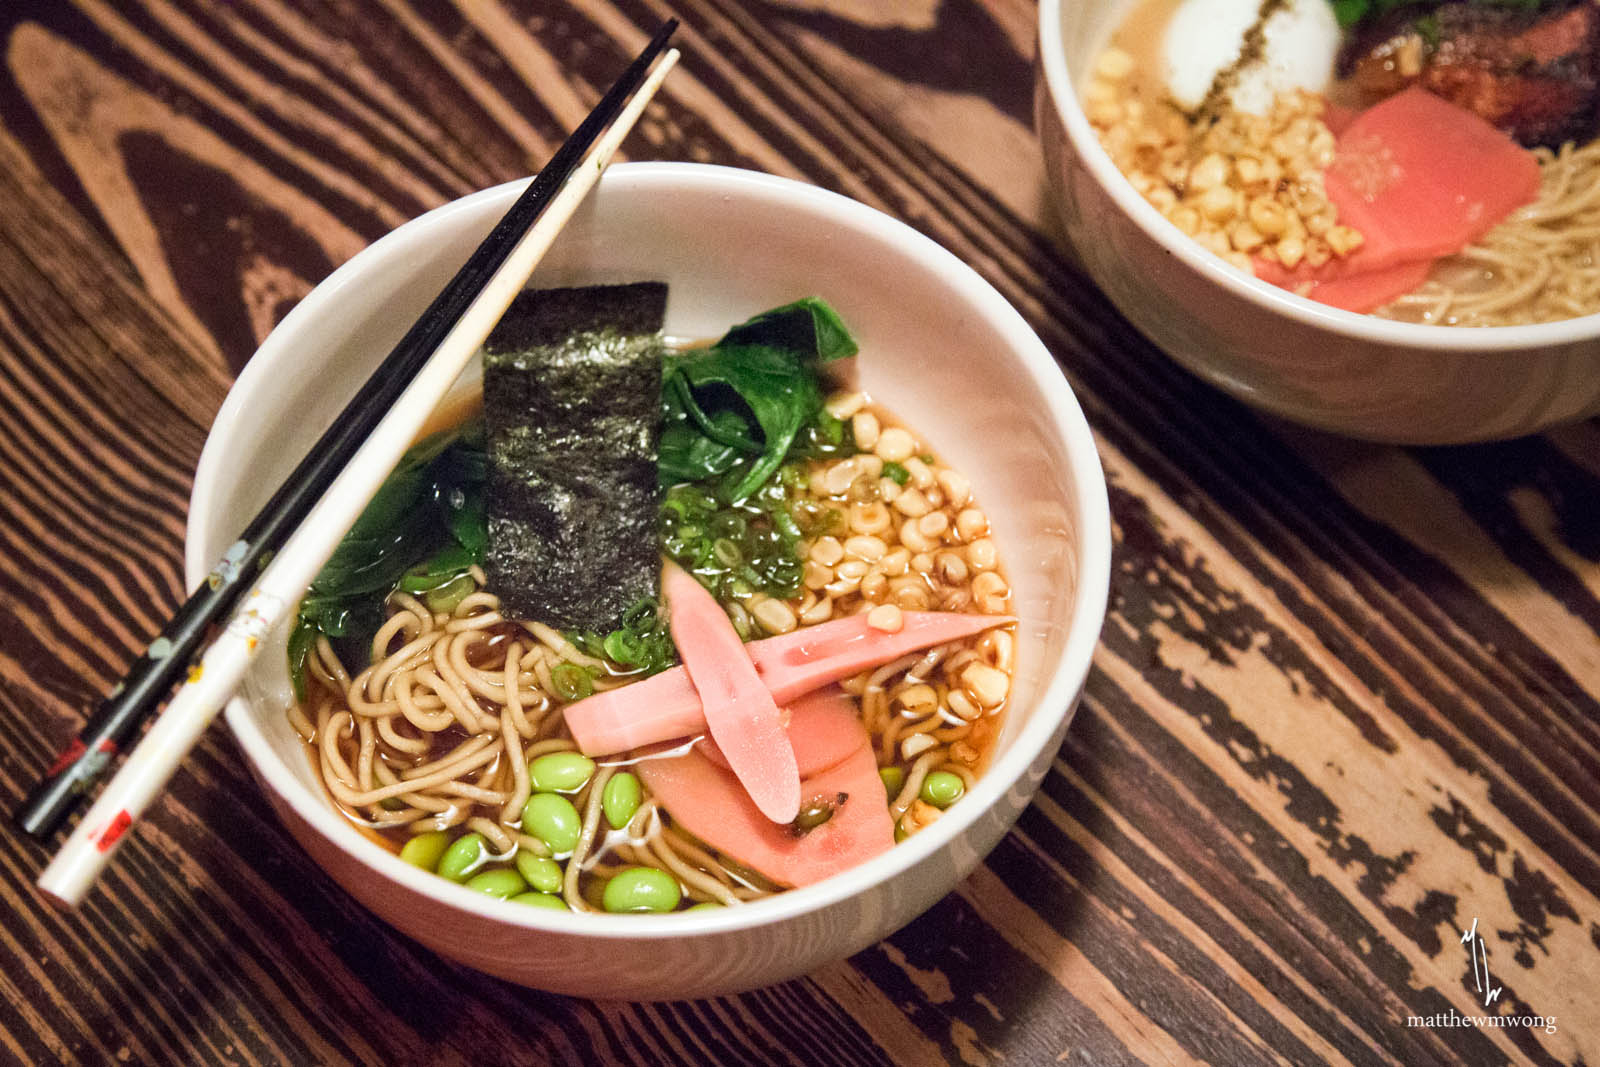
pixel 824 727
pixel 665 706
pixel 744 720
pixel 709 802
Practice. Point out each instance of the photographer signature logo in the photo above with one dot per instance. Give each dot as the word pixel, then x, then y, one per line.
pixel 1480 952
pixel 1483 982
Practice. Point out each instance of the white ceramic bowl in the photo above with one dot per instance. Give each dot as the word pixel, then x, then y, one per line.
pixel 1334 369
pixel 939 346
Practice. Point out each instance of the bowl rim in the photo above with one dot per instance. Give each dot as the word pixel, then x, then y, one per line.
pixel 1063 96
pixel 1061 685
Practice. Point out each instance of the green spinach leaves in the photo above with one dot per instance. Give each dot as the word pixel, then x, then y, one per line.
pixel 733 410
pixel 430 508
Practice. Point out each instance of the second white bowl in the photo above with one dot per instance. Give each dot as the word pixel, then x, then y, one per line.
pixel 1354 374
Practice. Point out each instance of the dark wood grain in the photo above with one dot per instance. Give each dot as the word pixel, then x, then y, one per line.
pixel 1347 699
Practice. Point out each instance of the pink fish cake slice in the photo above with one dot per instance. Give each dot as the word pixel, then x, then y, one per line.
pixel 740 713
pixel 709 802
pixel 824 727
pixel 666 706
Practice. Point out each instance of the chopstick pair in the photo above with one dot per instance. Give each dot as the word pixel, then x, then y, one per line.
pixel 284 547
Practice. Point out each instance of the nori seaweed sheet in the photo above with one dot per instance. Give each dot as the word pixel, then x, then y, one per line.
pixel 572 410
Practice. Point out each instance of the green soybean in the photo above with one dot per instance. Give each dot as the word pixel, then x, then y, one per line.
pixel 560 772
pixel 552 819
pixel 705 905
pixel 641 889
pixel 463 858
pixel 425 850
pixel 894 780
pixel 502 882
pixel 942 789
pixel 540 900
pixel 620 798
pixel 542 874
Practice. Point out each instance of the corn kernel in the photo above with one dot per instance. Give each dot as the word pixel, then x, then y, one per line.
pixel 1244 237
pixel 864 427
pixel 1342 240
pixel 1114 64
pixel 1291 250
pixel 1217 204
pixel 1209 173
pixel 1268 217
pixel 888 618
pixel 895 445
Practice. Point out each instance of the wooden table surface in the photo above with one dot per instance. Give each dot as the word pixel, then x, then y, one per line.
pixel 1347 700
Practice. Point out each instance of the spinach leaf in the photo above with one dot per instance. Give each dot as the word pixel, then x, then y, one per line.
pixel 808 327
pixel 733 410
pixel 430 506
pixel 689 451
pixel 1349 12
pixel 780 393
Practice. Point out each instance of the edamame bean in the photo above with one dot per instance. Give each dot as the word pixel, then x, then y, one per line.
pixel 894 780
pixel 942 789
pixel 425 850
pixel 641 889
pixel 620 798
pixel 540 900
pixel 552 819
pixel 542 874
pixel 705 905
pixel 502 882
pixel 560 772
pixel 463 858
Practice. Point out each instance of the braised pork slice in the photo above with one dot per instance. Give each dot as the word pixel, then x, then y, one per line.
pixel 1535 75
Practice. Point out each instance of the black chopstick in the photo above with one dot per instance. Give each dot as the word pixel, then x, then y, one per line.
pixel 135 699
